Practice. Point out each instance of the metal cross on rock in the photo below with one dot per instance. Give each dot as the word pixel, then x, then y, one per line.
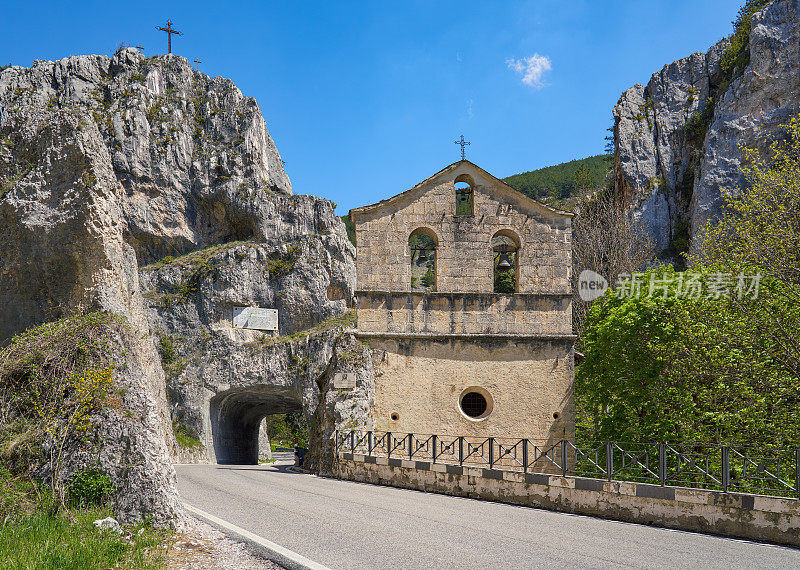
pixel 198 62
pixel 463 143
pixel 169 31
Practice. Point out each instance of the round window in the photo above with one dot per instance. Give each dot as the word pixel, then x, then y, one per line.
pixel 475 403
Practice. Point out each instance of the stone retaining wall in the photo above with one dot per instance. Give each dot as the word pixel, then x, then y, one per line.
pixel 755 517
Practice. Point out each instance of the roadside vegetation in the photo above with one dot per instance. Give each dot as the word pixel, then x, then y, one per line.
pixel 38 531
pixel 56 380
pixel 722 365
pixel 284 429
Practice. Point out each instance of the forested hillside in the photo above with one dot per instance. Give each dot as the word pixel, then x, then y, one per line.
pixel 563 181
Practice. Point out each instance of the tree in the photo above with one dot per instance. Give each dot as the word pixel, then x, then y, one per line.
pixel 759 232
pixel 760 228
pixel 667 367
pixel 722 369
pixel 606 240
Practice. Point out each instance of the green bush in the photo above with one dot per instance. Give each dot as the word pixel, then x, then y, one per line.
pixel 280 264
pixel 737 55
pixel 184 436
pixel 697 125
pixel 54 379
pixel 350 227
pixel 676 367
pixel 36 533
pixel 89 488
pixel 166 348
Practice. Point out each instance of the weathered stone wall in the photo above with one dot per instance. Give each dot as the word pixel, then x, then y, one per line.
pixel 429 349
pixel 421 380
pixel 464 257
pixel 464 313
pixel 754 517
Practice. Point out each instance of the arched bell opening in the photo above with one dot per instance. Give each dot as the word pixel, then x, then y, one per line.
pixel 505 255
pixel 465 195
pixel 422 245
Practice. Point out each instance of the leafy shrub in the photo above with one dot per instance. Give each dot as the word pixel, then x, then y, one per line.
pixel 697 125
pixel 737 55
pixel 35 533
pixel 280 264
pixel 350 227
pixel 166 348
pixel 681 368
pixel 89 487
pixel 54 378
pixel 184 436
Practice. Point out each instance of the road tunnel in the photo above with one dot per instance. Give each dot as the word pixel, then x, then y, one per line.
pixel 236 415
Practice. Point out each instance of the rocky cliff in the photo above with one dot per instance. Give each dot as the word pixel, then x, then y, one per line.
pixel 145 188
pixel 63 253
pixel 677 139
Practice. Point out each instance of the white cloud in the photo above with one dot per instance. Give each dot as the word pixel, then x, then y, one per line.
pixel 531 68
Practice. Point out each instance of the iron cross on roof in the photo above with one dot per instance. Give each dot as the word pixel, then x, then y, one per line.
pixel 169 31
pixel 463 143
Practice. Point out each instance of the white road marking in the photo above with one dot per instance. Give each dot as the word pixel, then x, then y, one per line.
pixel 277 553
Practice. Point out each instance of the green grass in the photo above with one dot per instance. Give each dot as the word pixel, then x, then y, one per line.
pixel 184 437
pixel 70 540
pixel 35 535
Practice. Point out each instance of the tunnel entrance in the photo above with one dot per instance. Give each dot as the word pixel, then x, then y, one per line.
pixel 236 415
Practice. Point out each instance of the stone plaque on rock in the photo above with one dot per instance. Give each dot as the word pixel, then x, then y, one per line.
pixel 345 380
pixel 255 318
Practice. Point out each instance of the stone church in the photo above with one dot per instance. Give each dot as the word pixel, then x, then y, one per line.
pixel 465 299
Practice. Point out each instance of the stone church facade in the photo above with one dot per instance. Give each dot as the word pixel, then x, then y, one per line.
pixel 465 299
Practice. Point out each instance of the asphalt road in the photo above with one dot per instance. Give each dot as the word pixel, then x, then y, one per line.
pixel 347 525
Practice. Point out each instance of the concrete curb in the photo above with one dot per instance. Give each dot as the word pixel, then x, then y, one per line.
pixel 275 552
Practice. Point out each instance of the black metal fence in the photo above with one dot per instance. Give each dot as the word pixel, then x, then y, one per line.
pixel 701 466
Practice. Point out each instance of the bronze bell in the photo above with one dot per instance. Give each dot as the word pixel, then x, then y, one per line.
pixel 504 263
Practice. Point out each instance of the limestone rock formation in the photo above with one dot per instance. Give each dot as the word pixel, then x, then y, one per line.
pixel 677 138
pixel 192 153
pixel 142 187
pixel 63 252
pixel 224 379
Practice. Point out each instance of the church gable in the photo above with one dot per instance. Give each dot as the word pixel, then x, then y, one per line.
pixel 440 195
pixel 458 223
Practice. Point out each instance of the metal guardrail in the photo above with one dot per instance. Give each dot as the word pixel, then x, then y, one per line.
pixel 701 466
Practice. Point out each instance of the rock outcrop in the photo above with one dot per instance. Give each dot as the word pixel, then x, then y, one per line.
pixel 192 153
pixel 63 252
pixel 198 218
pixel 678 138
pixel 224 379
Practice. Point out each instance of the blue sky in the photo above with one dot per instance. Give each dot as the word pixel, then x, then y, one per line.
pixel 365 99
